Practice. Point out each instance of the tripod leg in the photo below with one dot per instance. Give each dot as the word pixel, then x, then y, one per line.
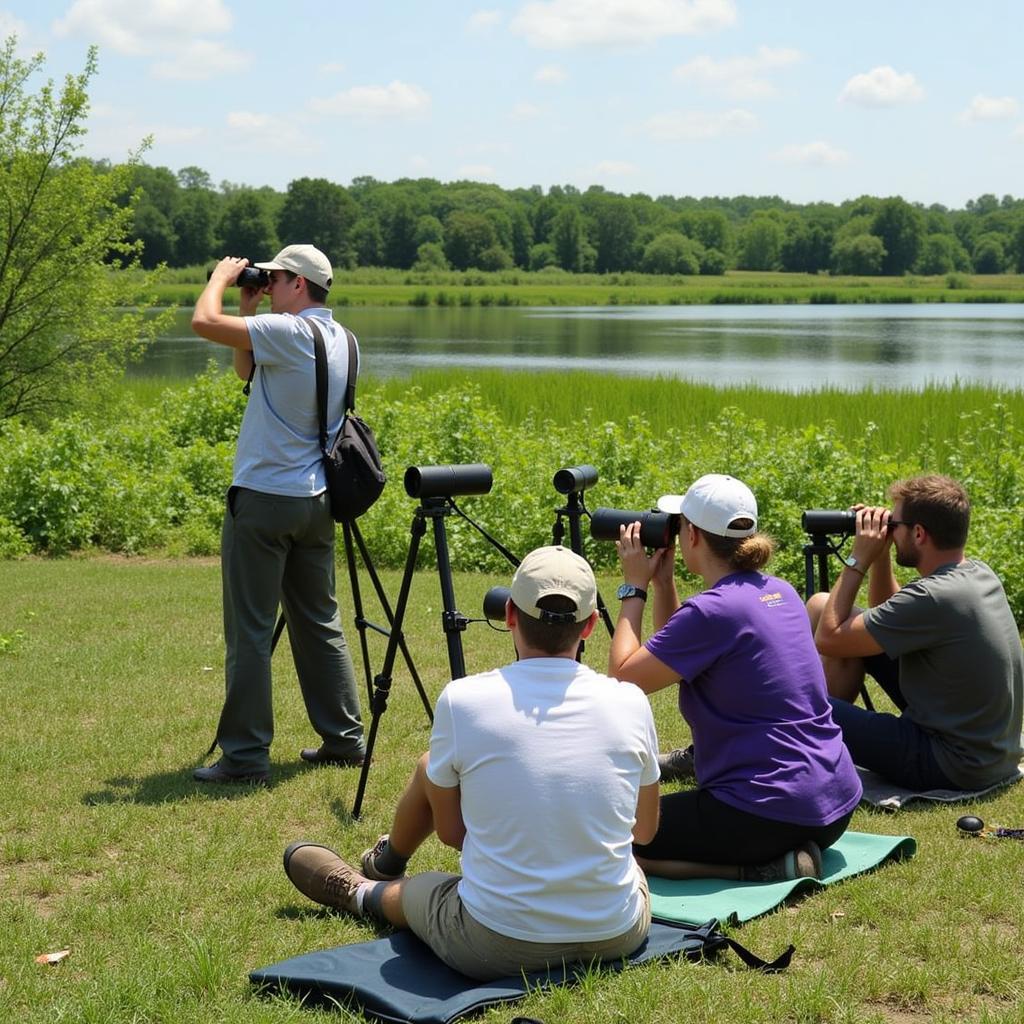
pixel 453 622
pixel 382 683
pixel 357 605
pixel 386 605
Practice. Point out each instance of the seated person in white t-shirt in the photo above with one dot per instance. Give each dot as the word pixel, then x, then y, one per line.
pixel 543 773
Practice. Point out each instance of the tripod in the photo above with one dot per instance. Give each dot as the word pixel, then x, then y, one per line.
pixel 573 510
pixel 818 549
pixel 453 622
pixel 353 539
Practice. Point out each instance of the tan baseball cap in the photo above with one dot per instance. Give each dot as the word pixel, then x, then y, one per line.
pixel 305 260
pixel 550 571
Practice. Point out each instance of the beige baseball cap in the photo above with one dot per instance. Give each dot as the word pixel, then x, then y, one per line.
pixel 713 503
pixel 305 260
pixel 550 571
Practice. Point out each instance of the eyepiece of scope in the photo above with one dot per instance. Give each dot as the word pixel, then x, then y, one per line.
pixel 447 481
pixel 494 603
pixel 821 520
pixel 657 529
pixel 574 478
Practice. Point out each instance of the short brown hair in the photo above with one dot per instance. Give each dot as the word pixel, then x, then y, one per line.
pixel 315 291
pixel 551 637
pixel 939 504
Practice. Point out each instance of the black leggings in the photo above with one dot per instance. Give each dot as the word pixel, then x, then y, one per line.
pixel 694 826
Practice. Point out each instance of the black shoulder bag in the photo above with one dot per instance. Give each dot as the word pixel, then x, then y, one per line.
pixel 352 466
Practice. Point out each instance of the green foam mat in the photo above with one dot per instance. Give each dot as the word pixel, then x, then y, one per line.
pixel 692 901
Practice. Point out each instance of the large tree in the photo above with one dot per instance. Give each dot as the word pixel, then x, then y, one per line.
pixel 63 330
pixel 900 226
pixel 318 211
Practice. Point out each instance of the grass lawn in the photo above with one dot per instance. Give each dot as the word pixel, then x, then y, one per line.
pixel 167 894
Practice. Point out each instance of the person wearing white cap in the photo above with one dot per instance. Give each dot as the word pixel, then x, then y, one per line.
pixel 541 773
pixel 775 783
pixel 277 543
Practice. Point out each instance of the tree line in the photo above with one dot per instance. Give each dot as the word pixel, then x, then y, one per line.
pixel 181 219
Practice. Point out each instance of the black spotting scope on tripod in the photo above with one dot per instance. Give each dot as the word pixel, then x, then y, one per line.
pixel 436 487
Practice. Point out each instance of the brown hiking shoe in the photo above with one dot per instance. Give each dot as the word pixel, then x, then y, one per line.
pixel 319 873
pixel 368 862
pixel 803 862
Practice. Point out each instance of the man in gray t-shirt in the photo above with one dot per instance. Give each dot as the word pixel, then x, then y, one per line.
pixel 945 647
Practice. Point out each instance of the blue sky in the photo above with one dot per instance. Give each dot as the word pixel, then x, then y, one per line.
pixel 810 101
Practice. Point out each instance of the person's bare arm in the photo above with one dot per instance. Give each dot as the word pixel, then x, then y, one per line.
pixel 648 807
pixel 446 805
pixel 210 321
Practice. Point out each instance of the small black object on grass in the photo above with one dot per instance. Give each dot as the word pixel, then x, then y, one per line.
pixel 970 824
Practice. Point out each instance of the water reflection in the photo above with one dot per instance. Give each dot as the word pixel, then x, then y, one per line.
pixel 787 347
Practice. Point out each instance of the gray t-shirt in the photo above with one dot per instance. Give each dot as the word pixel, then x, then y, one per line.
pixel 961 668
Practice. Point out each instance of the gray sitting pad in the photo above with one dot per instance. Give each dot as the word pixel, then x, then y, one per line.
pixel 880 792
pixel 398 979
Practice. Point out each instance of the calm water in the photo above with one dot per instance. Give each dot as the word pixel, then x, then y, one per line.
pixel 784 347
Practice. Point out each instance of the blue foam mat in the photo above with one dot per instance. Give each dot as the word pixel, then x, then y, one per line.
pixel 399 980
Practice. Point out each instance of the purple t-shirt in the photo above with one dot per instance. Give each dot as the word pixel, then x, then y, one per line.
pixel 753 692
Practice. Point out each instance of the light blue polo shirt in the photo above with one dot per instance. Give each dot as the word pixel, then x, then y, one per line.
pixel 278 445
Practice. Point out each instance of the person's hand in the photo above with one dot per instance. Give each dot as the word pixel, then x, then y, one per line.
pixel 637 566
pixel 250 300
pixel 872 538
pixel 227 270
pixel 663 564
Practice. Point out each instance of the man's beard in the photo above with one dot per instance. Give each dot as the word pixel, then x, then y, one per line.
pixel 909 558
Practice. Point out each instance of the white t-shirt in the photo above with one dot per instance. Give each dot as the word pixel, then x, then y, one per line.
pixel 550 757
pixel 279 442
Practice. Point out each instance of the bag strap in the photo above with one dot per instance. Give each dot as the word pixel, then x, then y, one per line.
pixel 320 351
pixel 353 371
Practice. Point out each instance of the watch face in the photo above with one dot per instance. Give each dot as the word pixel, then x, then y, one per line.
pixel 625 590
pixel 851 561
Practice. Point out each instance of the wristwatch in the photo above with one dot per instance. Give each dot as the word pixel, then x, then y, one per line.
pixel 851 562
pixel 629 590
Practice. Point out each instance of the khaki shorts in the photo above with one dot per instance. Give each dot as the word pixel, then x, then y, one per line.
pixel 434 910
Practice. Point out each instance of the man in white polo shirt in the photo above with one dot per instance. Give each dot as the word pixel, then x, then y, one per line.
pixel 542 773
pixel 277 545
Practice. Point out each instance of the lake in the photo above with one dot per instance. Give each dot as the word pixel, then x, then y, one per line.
pixel 790 348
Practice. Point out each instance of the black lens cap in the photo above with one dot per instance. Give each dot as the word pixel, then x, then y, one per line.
pixel 969 823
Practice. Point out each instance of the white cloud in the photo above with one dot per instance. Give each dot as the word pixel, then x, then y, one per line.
pixel 12 26
pixel 142 29
pixel 476 172
pixel 563 24
pixel 526 111
pixel 550 74
pixel 990 108
pixel 694 126
pixel 882 87
pixel 397 99
pixel 201 59
pixel 484 21
pixel 1018 132
pixel 614 169
pixel 252 130
pixel 739 78
pixel 816 154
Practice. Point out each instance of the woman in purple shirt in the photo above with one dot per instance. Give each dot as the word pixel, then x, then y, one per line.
pixel 775 781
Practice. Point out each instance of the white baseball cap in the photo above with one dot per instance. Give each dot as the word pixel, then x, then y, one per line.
pixel 551 571
pixel 713 503
pixel 305 260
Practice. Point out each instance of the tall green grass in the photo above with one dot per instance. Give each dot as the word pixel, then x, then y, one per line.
pixel 383 287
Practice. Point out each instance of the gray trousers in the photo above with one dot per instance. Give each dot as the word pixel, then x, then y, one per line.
pixel 280 550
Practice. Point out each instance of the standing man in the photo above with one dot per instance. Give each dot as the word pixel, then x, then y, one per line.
pixel 277 545
pixel 945 647
pixel 542 773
